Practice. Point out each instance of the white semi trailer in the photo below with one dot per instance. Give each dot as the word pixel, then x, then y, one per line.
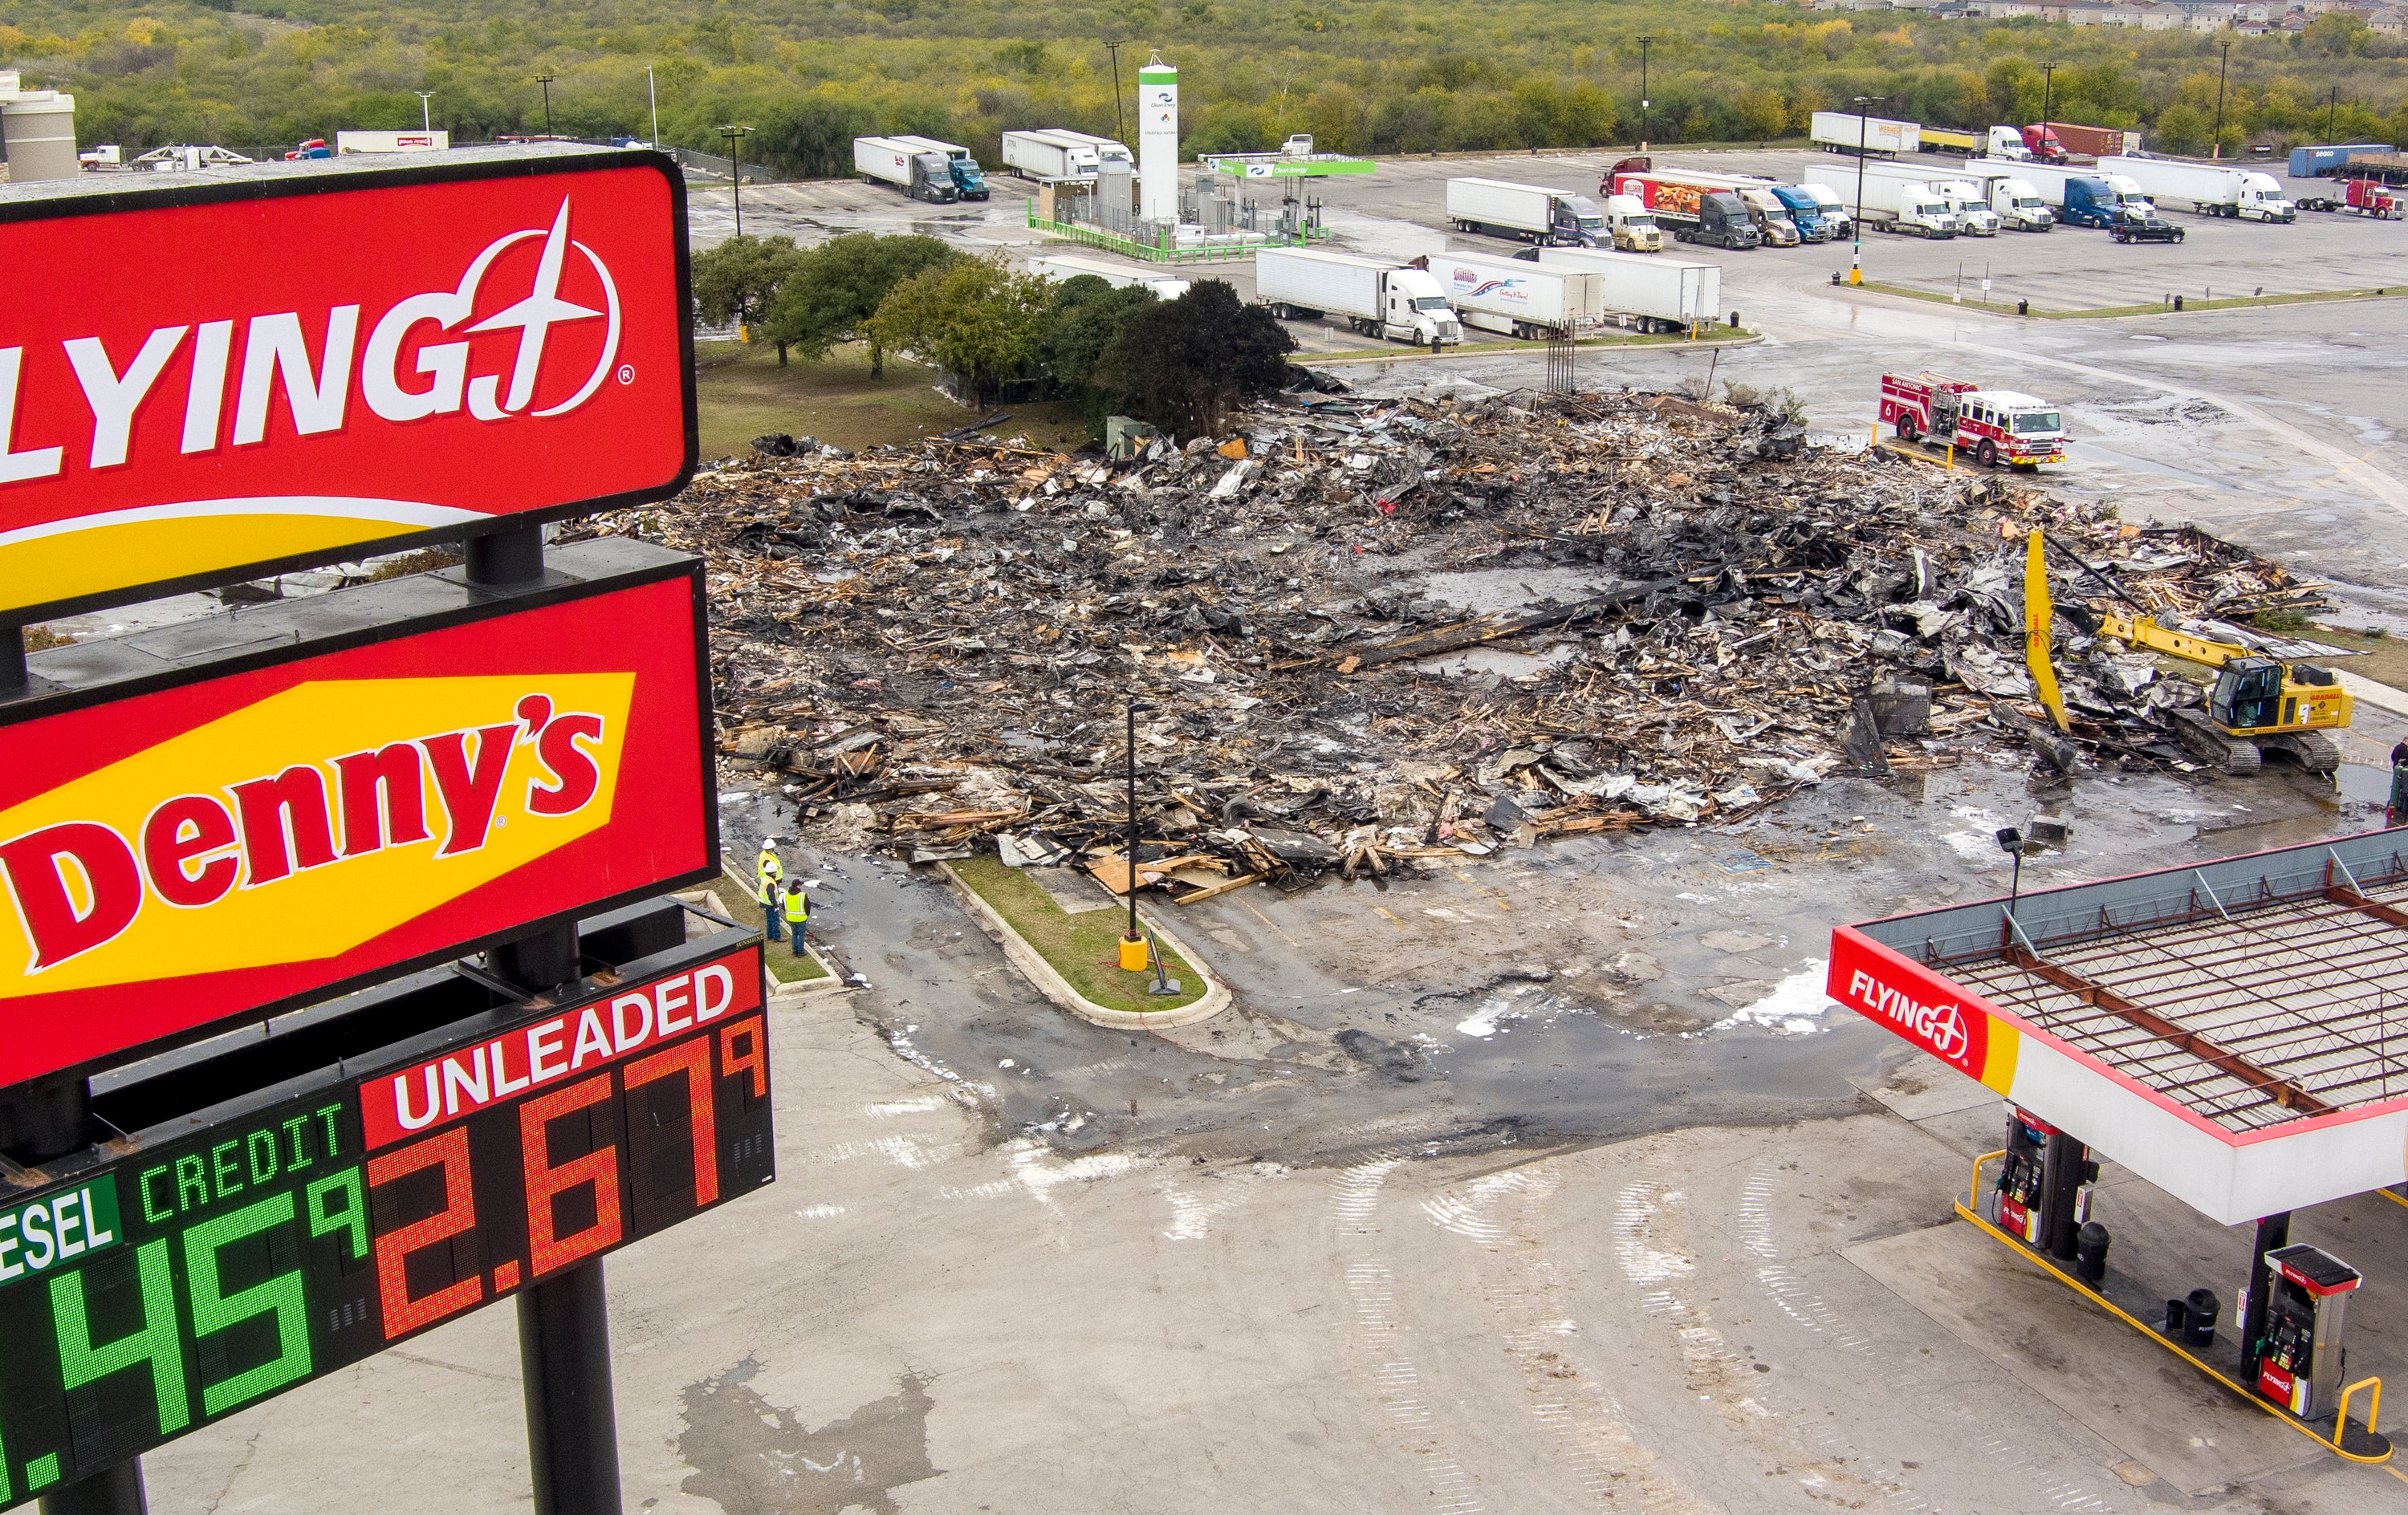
pixel 2211 189
pixel 1057 152
pixel 1896 198
pixel 1526 212
pixel 1519 296
pixel 2011 196
pixel 1377 298
pixel 1064 267
pixel 1653 294
pixel 1843 130
pixel 921 173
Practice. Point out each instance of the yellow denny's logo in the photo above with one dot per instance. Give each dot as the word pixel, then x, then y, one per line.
pixel 301 826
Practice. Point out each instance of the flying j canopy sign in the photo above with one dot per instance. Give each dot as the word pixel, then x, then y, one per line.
pixel 301 366
pixel 335 808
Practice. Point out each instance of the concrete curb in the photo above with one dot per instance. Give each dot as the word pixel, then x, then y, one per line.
pixel 1049 982
pixel 2382 696
pixel 1351 357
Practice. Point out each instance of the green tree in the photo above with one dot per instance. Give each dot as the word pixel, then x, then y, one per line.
pixel 2184 128
pixel 1762 114
pixel 1087 319
pixel 1183 363
pixel 735 282
pixel 832 290
pixel 973 317
pixel 2337 33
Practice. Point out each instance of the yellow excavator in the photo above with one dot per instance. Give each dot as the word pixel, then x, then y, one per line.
pixel 2258 703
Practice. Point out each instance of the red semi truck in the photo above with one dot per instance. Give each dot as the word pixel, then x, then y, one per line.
pixel 2359 198
pixel 2055 142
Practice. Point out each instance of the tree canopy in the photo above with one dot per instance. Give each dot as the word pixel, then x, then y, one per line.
pixel 974 317
pixel 1183 364
pixel 832 290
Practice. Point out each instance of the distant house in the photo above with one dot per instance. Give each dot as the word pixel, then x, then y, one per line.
pixel 2139 14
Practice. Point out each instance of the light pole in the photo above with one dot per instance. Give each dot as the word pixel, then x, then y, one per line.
pixel 2217 150
pixel 652 94
pixel 1132 938
pixel 2332 100
pixel 1643 43
pixel 734 137
pixel 427 111
pixel 2048 99
pixel 545 79
pixel 1119 121
pixel 1857 248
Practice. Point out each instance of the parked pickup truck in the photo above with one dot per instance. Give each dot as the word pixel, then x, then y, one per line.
pixel 2136 227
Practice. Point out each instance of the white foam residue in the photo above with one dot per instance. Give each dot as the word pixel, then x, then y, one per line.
pixel 821 1213
pixel 1039 1172
pixel 889 1109
pixel 1795 1008
pixel 1494 1012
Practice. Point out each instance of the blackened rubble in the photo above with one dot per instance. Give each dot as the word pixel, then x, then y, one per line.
pixel 1374 630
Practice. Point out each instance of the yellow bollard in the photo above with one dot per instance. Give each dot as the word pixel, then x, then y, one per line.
pixel 1134 957
pixel 1952 457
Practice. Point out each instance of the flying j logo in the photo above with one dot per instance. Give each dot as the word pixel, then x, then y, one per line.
pixel 451 348
pixel 1923 1007
pixel 304 824
pixel 178 857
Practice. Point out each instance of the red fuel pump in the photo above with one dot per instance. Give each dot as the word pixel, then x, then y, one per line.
pixel 2300 1359
pixel 2045 1185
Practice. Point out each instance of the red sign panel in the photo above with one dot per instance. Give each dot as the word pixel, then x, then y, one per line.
pixel 301 366
pixel 1911 1001
pixel 175 859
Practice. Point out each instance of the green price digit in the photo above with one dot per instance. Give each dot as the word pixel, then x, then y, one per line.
pixel 214 1311
pixel 82 1361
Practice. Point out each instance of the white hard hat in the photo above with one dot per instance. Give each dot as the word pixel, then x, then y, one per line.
pixel 768 844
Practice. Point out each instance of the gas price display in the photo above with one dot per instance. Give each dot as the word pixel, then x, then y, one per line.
pixel 180 1283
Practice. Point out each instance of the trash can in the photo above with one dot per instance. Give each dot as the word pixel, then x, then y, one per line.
pixel 2090 1253
pixel 2177 1320
pixel 2201 1307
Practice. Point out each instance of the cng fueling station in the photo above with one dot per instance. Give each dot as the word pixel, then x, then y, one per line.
pixel 341 988
pixel 2223 1033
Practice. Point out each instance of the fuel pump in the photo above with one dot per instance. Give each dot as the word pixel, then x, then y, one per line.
pixel 2300 1359
pixel 2045 1185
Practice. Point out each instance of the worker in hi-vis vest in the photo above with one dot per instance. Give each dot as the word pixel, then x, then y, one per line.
pixel 797 910
pixel 766 872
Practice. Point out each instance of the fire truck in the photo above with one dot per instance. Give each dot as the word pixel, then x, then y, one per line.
pixel 1996 426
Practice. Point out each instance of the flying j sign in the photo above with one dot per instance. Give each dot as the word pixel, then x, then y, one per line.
pixel 321 814
pixel 302 367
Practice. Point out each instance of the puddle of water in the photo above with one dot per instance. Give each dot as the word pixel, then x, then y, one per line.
pixel 2365 781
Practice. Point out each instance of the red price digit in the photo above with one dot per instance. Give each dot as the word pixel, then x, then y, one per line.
pixel 692 1058
pixel 599 1167
pixel 459 1214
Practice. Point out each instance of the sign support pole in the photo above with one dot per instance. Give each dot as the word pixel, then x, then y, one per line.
pixel 13 660
pixel 112 1491
pixel 564 1320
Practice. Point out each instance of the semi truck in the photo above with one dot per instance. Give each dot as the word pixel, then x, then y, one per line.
pixel 1969 203
pixel 1064 266
pixel 1055 152
pixel 2358 198
pixel 1975 141
pixel 1526 212
pixel 969 180
pixel 1773 226
pixel 1519 296
pixel 1897 198
pixel 2086 141
pixel 1717 217
pixel 1377 298
pixel 1843 130
pixel 1828 206
pixel 1633 225
pixel 920 173
pixel 1655 294
pixel 2327 160
pixel 2009 196
pixel 1996 426
pixel 2212 189
pixel 2075 196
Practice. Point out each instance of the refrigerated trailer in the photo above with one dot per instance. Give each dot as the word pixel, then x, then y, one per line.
pixel 1518 295
pixel 1653 294
pixel 969 180
pixel 1894 198
pixel 1057 152
pixel 919 172
pixel 1526 212
pixel 1842 131
pixel 1377 298
pixel 2212 189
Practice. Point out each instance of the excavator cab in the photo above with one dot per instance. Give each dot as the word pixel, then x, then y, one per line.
pixel 2248 694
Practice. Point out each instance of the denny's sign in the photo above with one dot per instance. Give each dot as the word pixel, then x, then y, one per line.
pixel 174 859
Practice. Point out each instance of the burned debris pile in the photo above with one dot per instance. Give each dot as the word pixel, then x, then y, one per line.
pixel 1364 632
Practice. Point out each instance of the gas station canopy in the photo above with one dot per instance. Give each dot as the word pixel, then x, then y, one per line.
pixel 2222 1030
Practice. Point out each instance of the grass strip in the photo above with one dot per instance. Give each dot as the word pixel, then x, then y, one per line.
pixel 2109 312
pixel 784 965
pixel 1083 947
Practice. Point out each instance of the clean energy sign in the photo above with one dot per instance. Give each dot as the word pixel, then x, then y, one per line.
pixel 306 366
pixel 176 859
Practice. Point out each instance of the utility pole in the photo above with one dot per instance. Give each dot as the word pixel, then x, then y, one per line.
pixel 1643 43
pixel 2218 150
pixel 425 111
pixel 734 137
pixel 1132 938
pixel 2047 95
pixel 2332 100
pixel 1856 250
pixel 1120 120
pixel 652 94
pixel 545 79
